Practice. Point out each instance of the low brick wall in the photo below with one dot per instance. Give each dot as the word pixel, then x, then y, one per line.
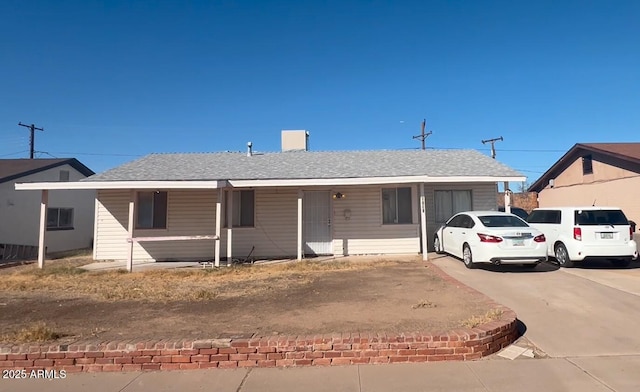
pixel 338 349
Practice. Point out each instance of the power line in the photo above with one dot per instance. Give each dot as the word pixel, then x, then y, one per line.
pixel 13 153
pixel 32 137
pixel 96 154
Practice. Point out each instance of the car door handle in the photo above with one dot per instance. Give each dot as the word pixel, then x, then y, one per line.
pixel 464 232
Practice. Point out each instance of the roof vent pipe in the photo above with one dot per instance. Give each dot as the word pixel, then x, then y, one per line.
pixel 249 149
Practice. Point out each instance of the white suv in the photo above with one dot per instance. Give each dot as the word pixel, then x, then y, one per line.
pixel 581 233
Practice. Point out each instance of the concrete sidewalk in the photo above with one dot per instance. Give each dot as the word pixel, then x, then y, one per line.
pixel 569 374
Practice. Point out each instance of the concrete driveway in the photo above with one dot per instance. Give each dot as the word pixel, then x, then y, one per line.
pixel 578 312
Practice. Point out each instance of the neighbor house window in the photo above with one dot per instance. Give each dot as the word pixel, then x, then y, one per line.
pixel 59 218
pixel 396 205
pixel 243 209
pixel 587 165
pixel 151 211
pixel 64 175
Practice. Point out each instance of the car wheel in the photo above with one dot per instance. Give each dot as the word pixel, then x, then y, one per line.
pixel 563 256
pixel 621 263
pixel 467 257
pixel 436 245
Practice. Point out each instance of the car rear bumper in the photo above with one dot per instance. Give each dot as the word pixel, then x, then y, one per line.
pixel 502 256
pixel 581 252
pixel 516 260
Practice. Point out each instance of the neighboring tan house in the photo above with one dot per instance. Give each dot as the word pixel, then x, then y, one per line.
pixel 70 213
pixel 284 204
pixel 601 174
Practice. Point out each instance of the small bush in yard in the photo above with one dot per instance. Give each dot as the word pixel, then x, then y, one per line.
pixel 474 321
pixel 37 332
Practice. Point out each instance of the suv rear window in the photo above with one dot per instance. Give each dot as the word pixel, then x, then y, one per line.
pixel 544 216
pixel 600 217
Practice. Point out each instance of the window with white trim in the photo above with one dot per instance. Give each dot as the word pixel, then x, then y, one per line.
pixel 396 206
pixel 243 209
pixel 59 218
pixel 151 210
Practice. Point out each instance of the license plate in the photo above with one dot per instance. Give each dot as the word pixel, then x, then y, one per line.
pixel 517 242
pixel 606 236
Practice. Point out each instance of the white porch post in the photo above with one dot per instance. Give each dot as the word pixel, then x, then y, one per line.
pixel 229 207
pixel 43 228
pixel 423 222
pixel 300 194
pixel 507 197
pixel 130 228
pixel 218 228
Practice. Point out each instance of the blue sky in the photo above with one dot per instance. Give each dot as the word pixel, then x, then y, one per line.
pixel 110 81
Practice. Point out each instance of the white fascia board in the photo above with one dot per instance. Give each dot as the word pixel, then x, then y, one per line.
pixel 258 183
pixel 369 181
pixel 30 186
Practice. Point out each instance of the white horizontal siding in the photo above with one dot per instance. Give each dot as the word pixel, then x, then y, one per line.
pixel 189 213
pixel 483 197
pixel 275 226
pixel 111 225
pixel 363 232
pixel 192 212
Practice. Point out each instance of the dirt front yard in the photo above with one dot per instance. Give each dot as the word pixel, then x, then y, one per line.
pixel 379 295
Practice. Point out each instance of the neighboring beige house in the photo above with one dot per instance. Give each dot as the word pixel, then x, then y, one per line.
pixel 605 174
pixel 70 215
pixel 284 204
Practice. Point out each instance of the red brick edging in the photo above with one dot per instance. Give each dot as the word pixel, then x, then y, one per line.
pixel 338 349
pixel 269 351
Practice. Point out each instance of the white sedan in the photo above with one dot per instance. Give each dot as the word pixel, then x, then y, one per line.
pixel 491 237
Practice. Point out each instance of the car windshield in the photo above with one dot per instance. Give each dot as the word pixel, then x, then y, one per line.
pixel 600 217
pixel 502 221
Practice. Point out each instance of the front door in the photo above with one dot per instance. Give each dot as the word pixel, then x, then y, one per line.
pixel 316 223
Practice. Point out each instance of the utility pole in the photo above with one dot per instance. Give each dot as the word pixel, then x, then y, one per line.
pixel 423 136
pixel 493 147
pixel 32 136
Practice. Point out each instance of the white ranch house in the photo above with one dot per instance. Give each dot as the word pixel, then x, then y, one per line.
pixel 217 206
pixel 70 223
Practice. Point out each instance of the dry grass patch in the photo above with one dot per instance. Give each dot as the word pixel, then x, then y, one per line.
pixel 174 284
pixel 37 332
pixel 424 304
pixel 474 321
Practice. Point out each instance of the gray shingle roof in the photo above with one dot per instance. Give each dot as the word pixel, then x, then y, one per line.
pixel 306 165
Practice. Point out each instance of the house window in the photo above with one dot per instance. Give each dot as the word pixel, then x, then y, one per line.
pixel 449 203
pixel 64 175
pixel 396 206
pixel 587 165
pixel 151 212
pixel 243 209
pixel 59 218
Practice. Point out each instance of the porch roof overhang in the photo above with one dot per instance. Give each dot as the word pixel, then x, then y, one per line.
pixel 259 183
pixel 92 185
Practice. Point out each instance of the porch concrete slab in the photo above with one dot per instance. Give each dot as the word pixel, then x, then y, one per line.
pixel 139 265
pixel 440 376
pixel 316 379
pixel 549 375
pixel 618 373
pixel 98 382
pixel 219 380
